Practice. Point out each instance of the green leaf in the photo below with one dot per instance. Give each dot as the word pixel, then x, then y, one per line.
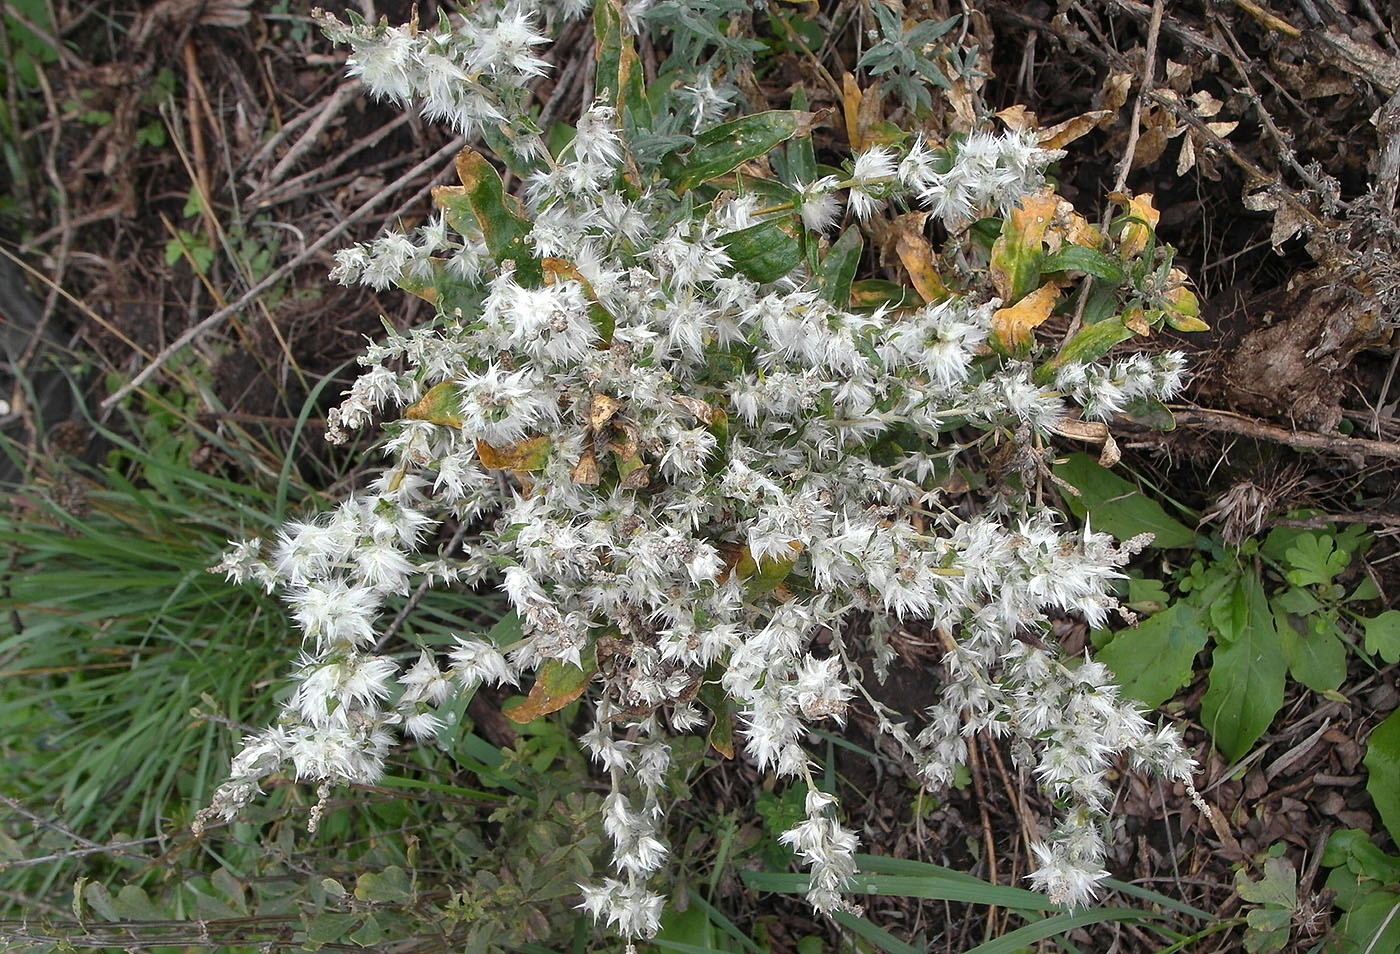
pixel 1277 886
pixel 714 698
pixel 877 936
pixel 1383 771
pixel 721 149
pixel 482 195
pixel 392 885
pixel 133 904
pixel 1314 559
pixel 933 887
pixel 1315 653
pixel 618 72
pixel 1088 344
pixel 801 157
pixel 1247 671
pixel 1297 601
pixel 1091 261
pixel 838 267
pixel 1383 635
pixel 370 933
pixel 1156 659
pixel 1018 252
pixel 328 927
pixel 764 252
pixel 1150 412
pixel 1116 506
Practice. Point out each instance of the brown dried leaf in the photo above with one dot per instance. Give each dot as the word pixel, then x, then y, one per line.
pixel 1061 134
pixel 587 471
pixel 1018 118
pixel 636 478
pixel 1091 432
pixel 699 409
pixel 601 408
pixel 1115 90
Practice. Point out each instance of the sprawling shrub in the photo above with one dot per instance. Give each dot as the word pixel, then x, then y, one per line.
pixel 713 467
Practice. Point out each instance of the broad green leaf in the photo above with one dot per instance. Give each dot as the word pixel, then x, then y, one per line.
pixel 392 885
pixel 99 899
pixel 1246 673
pixel 1116 506
pixel 1154 660
pixel 801 157
pixel 721 149
pixel 1314 560
pixel 1383 635
pixel 839 265
pixel 1316 655
pixel 133 904
pixel 370 933
pixel 764 252
pixel 1355 850
pixel 482 195
pixel 1091 261
pixel 714 698
pixel 1297 601
pixel 328 927
pixel 1383 771
pixel 618 74
pixel 1278 885
pixel 1150 412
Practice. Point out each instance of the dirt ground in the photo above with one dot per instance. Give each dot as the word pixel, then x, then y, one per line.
pixel 1270 140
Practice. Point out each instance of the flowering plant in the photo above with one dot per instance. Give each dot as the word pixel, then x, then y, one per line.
pixel 711 468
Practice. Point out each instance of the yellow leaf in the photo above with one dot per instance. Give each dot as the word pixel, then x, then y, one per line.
pixel 1012 327
pixel 850 110
pixel 1135 234
pixel 524 456
pixel 916 254
pixel 441 405
pixel 1135 320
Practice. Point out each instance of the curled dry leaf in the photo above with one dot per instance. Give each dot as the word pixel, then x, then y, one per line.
pixel 1092 432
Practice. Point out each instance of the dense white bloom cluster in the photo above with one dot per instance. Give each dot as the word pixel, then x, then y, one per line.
pixel 689 480
pixel 465 74
pixel 983 173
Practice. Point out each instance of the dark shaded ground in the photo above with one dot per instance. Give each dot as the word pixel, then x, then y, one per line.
pixel 1293 403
